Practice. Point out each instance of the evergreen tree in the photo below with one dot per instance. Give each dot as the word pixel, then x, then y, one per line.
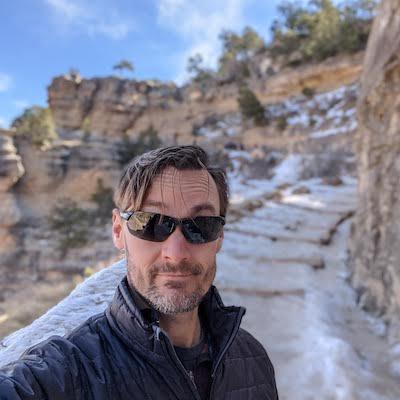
pixel 124 65
pixel 250 106
pixel 36 125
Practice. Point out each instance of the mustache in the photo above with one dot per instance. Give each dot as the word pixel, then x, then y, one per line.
pixel 183 267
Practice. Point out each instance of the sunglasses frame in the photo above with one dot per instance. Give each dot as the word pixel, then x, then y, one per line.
pixel 126 215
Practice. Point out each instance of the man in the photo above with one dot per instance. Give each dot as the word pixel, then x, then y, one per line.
pixel 166 334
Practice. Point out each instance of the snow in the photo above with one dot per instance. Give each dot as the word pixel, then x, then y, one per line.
pixel 299 119
pixel 330 113
pixel 234 154
pixel 349 127
pixel 227 126
pixel 209 132
pixel 286 172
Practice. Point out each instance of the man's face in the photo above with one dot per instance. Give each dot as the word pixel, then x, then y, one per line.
pixel 173 275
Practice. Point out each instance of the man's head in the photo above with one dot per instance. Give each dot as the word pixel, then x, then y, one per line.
pixel 174 270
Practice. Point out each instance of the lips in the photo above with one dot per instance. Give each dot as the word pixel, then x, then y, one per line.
pixel 176 275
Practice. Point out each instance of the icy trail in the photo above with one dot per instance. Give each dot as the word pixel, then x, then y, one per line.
pixel 284 261
pixel 322 345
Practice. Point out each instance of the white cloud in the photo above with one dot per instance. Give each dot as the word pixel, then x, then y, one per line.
pixel 102 19
pixel 3 122
pixel 5 82
pixel 199 23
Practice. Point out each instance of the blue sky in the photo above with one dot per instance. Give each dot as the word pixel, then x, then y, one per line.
pixel 41 39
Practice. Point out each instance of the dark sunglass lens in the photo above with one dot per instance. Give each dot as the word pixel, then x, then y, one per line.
pixel 149 226
pixel 202 229
pixel 162 228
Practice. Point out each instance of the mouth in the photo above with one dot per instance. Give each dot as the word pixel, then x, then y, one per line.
pixel 176 276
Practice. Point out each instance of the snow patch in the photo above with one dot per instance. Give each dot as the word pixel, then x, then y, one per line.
pixel 347 128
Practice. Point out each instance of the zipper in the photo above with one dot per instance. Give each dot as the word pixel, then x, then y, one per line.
pixel 228 344
pixel 189 376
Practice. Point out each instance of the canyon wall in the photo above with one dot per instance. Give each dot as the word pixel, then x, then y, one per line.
pixel 375 239
pixel 115 107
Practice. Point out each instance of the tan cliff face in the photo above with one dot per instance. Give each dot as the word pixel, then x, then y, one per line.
pixel 328 75
pixel 11 170
pixel 68 169
pixel 113 106
pixel 375 249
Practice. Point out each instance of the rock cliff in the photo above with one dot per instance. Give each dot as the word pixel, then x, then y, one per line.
pixel 375 250
pixel 11 170
pixel 113 106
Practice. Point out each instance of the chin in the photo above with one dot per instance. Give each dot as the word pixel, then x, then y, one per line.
pixel 175 300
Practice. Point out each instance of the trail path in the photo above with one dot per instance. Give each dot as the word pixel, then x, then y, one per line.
pixel 285 262
pixel 322 345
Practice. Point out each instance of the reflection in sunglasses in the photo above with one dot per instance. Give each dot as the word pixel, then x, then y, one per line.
pixel 139 220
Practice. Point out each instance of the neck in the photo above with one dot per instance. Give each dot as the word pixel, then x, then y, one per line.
pixel 183 329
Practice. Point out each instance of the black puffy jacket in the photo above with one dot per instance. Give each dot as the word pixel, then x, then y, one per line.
pixel 117 355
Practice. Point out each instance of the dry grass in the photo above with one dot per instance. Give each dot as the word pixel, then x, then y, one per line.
pixel 32 299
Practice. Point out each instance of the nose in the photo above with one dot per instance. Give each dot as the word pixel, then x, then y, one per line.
pixel 176 248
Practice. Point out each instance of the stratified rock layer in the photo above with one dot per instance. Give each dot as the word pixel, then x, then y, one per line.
pixel 375 244
pixel 11 170
pixel 114 107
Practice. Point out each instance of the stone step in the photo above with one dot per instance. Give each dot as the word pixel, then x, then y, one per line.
pixel 263 250
pixel 266 279
pixel 278 221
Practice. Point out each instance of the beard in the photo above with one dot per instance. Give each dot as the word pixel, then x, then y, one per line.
pixel 176 299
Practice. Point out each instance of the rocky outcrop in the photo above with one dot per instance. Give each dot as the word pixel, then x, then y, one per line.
pixel 113 106
pixel 375 249
pixel 11 170
pixel 326 76
pixel 67 169
pixel 106 106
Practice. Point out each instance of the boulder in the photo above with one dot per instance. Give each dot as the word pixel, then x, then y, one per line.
pixel 11 168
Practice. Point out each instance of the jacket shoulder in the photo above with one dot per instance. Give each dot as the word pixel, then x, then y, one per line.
pixel 249 344
pixel 248 349
pixel 250 369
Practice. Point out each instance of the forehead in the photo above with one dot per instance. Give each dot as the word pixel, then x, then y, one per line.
pixel 180 192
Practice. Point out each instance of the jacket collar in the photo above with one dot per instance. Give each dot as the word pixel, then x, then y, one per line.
pixel 136 328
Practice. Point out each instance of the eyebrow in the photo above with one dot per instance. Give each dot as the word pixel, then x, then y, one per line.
pixel 196 209
pixel 204 206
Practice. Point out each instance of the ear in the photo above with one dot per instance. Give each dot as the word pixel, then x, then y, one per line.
pixel 117 230
pixel 220 241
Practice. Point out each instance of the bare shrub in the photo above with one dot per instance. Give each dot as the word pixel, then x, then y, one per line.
pixel 221 158
pixel 326 165
pixel 261 168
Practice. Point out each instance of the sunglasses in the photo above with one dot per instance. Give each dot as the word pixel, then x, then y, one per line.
pixel 158 227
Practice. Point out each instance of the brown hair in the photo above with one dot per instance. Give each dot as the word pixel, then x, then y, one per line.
pixel 140 172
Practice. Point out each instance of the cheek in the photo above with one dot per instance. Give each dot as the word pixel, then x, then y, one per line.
pixel 141 253
pixel 206 253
